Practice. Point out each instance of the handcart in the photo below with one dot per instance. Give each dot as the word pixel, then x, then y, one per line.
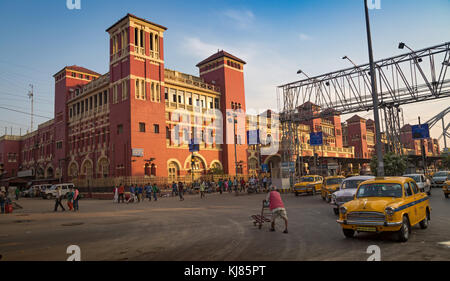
pixel 266 215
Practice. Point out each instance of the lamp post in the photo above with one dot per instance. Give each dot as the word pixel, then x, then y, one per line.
pixel 374 96
pixel 235 143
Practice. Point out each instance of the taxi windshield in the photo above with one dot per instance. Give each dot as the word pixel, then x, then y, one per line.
pixel 334 181
pixel 351 184
pixel 307 179
pixel 380 190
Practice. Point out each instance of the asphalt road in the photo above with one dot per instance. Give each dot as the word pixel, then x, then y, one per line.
pixel 218 228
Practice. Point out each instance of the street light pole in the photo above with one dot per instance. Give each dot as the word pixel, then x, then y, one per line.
pixel 235 143
pixel 380 170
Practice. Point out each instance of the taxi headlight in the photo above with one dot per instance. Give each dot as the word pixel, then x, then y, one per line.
pixel 343 210
pixel 389 211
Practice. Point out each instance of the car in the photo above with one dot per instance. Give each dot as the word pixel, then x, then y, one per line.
pixel 446 187
pixel 52 191
pixel 331 185
pixel 347 191
pixel 388 204
pixel 439 178
pixel 29 192
pixel 422 181
pixel 308 184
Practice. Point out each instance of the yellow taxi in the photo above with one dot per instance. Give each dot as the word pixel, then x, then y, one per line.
pixel 389 204
pixel 331 185
pixel 446 187
pixel 308 184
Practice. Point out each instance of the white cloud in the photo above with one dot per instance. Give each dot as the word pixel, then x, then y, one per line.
pixel 242 19
pixel 304 37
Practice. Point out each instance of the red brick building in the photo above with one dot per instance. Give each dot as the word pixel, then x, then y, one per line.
pixel 138 119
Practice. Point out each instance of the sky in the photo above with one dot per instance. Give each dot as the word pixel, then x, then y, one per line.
pixel 275 38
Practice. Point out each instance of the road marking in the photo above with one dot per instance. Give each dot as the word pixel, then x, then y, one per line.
pixel 446 244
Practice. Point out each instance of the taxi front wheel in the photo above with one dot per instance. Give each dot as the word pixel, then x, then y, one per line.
pixel 403 233
pixel 349 233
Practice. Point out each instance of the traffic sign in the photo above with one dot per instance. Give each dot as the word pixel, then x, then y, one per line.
pixel 420 132
pixel 194 147
pixel 316 139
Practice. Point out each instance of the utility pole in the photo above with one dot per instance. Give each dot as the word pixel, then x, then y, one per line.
pixel 31 96
pixel 422 148
pixel 376 115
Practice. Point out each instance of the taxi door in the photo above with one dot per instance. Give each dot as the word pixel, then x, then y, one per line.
pixel 420 208
pixel 410 198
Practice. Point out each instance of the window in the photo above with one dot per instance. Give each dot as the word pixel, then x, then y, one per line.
pixel 70 113
pixel 81 76
pixel 408 190
pixel 414 187
pixel 142 127
pixel 105 96
pixel 151 41
pixel 156 128
pixel 119 129
pixel 190 100
pixel 59 145
pixel 166 93
pixel 115 94
pixel 100 100
pixel 95 101
pixel 124 90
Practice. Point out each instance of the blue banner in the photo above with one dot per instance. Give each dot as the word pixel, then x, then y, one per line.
pixel 316 139
pixel 420 132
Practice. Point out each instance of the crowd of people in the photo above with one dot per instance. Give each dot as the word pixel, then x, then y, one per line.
pixel 137 193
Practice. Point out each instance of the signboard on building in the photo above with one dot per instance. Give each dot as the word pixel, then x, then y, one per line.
pixel 316 139
pixel 137 152
pixel 288 167
pixel 25 174
pixel 420 132
pixel 193 147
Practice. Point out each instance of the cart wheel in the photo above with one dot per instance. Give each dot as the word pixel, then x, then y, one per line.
pixel 260 226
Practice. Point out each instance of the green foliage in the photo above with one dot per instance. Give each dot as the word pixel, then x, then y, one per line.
pixel 394 165
pixel 216 171
pixel 446 161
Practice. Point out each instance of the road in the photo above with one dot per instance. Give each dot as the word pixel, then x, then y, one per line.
pixel 218 228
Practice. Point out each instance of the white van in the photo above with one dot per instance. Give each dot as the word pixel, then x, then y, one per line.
pixel 51 192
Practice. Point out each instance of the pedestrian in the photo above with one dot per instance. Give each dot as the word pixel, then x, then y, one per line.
pixel 242 184
pixel 180 191
pixel 70 195
pixel 148 192
pixel 121 194
pixel 76 198
pixel 17 191
pixel 132 195
pixel 230 185
pixel 140 191
pixel 58 199
pixel 265 183
pixel 220 183
pixel 116 195
pixel 276 206
pixel 174 189
pixel 235 184
pixel 155 192
pixel 2 201
pixel 202 189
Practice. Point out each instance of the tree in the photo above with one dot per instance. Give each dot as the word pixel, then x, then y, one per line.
pixel 446 161
pixel 394 165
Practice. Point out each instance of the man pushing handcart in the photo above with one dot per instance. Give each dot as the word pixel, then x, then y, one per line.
pixel 274 203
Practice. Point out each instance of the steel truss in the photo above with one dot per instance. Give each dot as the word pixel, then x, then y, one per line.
pixel 409 78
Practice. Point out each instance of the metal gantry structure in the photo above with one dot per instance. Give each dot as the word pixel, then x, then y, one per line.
pixel 414 77
pixel 445 127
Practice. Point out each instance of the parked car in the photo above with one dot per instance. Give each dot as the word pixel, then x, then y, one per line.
pixel 308 184
pixel 29 192
pixel 347 191
pixel 446 187
pixel 422 181
pixel 439 178
pixel 51 192
pixel 390 204
pixel 331 185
